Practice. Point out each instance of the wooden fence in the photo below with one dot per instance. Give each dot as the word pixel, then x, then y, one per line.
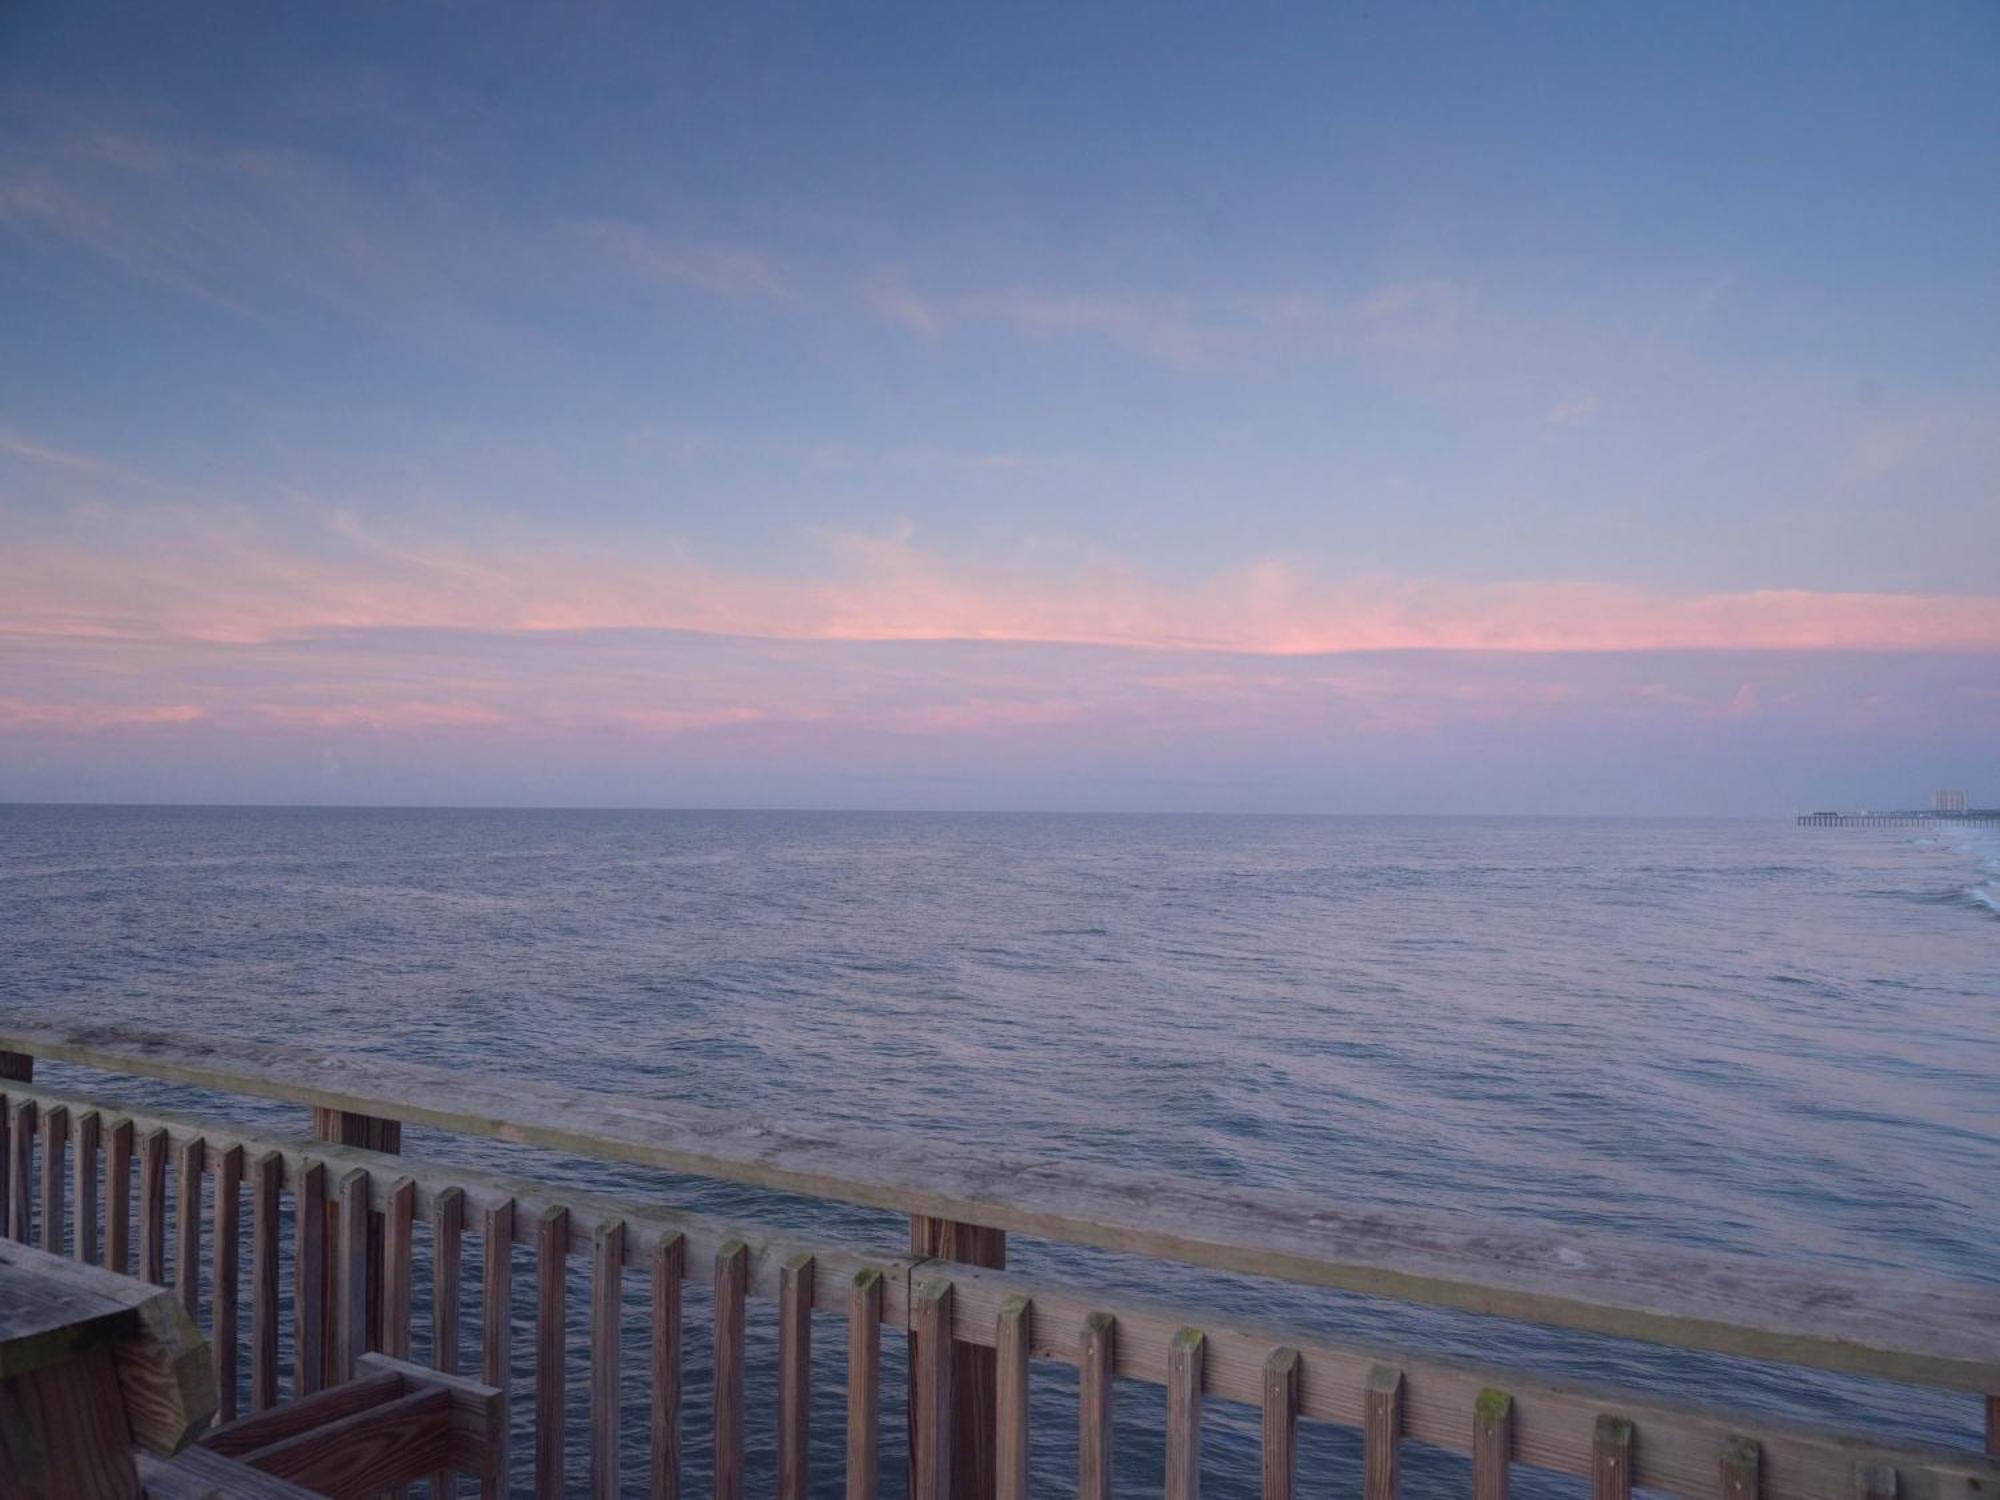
pixel 349 1205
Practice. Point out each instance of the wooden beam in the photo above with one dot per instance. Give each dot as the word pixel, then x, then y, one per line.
pixel 153 1207
pixel 309 1280
pixel 1901 1327
pixel 1382 1435
pixel 55 1147
pixel 497 1230
pixel 225 1254
pixel 118 1197
pixel 931 1414
pixel 1013 1337
pixel 732 1275
pixel 267 1181
pixel 1611 1460
pixel 189 1164
pixel 1493 1444
pixel 1094 1408
pixel 606 1305
pixel 551 1300
pixel 89 1128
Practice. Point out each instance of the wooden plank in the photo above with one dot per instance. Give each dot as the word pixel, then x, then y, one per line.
pixel 1876 1481
pixel 732 1274
pixel 118 1197
pixel 864 1384
pixel 606 1302
pixel 551 1296
pixel 795 1295
pixel 260 1430
pixel 398 1230
pixel 366 1453
pixel 21 1173
pixel 1742 1468
pixel 7 1159
pixel 1280 1410
pixel 1897 1327
pixel 153 1207
pixel 931 1413
pixel 309 1332
pixel 496 1326
pixel 669 1267
pixel 1993 1425
pixel 264 1231
pixel 55 1148
pixel 1184 1386
pixel 1554 1420
pixel 1093 1391
pixel 89 1127
pixel 225 1250
pixel 1611 1459
pixel 189 1162
pixel 1382 1435
pixel 1013 1331
pixel 64 1436
pixel 447 1250
pixel 366 1132
pixel 1493 1444
pixel 351 1327
pixel 199 1474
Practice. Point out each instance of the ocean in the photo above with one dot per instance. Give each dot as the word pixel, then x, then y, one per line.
pixel 1735 1035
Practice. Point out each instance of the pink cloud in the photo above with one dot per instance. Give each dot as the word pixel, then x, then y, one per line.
pixel 84 717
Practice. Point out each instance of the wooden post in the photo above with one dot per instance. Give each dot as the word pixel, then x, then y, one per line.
pixel 931 1415
pixel 1382 1437
pixel 606 1280
pixel 669 1266
pixel 55 1146
pixel 795 1298
pixel 189 1163
pixel 118 1197
pixel 1493 1444
pixel 1012 1328
pixel 1281 1423
pixel 1093 1392
pixel 551 1288
pixel 1185 1361
pixel 153 1207
pixel 447 1244
pixel 1611 1459
pixel 88 1127
pixel 496 1331
pixel 370 1133
pixel 973 1378
pixel 864 1384
pixel 732 1278
pixel 1742 1468
pixel 21 1172
pixel 267 1179
pixel 227 1207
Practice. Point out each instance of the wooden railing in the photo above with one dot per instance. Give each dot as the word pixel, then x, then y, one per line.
pixel 344 1208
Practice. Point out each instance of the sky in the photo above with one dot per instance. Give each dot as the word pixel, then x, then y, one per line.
pixel 1340 408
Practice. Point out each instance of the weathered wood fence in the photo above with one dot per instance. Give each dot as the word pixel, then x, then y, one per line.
pixel 75 1164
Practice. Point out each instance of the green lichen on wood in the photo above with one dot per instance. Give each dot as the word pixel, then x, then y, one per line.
pixel 1493 1407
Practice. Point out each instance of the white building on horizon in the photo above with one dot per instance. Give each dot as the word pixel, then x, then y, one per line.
pixel 1947 802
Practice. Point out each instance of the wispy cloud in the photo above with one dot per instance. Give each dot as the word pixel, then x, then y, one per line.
pixel 719 269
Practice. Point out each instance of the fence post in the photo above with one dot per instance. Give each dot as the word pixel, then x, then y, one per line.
pixel 974 1381
pixel 342 1127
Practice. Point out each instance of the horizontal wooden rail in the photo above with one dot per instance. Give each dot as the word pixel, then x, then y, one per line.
pixel 1680 1448
pixel 1920 1330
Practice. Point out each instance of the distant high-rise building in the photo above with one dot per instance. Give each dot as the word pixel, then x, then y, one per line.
pixel 1947 802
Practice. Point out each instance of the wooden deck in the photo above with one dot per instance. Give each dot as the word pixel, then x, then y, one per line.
pixel 351 1288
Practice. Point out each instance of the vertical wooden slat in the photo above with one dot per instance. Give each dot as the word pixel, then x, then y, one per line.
pixel 1281 1424
pixel 55 1146
pixel 398 1229
pixel 153 1207
pixel 1876 1482
pixel 118 1197
pixel 309 1280
pixel 1742 1468
pixel 6 1160
pixel 1093 1390
pixel 1993 1425
pixel 606 1297
pixel 931 1417
pixel 370 1133
pixel 496 1340
pixel 223 1248
pixel 188 1164
pixel 864 1384
pixel 1012 1329
pixel 669 1266
pixel 551 1293
pixel 88 1126
pixel 447 1245
pixel 732 1277
pixel 1382 1435
pixel 1492 1444
pixel 21 1173
pixel 1186 1357
pixel 795 1299
pixel 267 1176
pixel 352 1328
pixel 1611 1459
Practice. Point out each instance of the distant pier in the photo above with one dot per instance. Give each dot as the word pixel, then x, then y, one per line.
pixel 1897 819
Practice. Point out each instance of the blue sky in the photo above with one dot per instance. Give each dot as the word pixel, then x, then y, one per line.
pixel 1111 406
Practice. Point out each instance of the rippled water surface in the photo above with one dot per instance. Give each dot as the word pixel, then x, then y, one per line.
pixel 1779 1041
